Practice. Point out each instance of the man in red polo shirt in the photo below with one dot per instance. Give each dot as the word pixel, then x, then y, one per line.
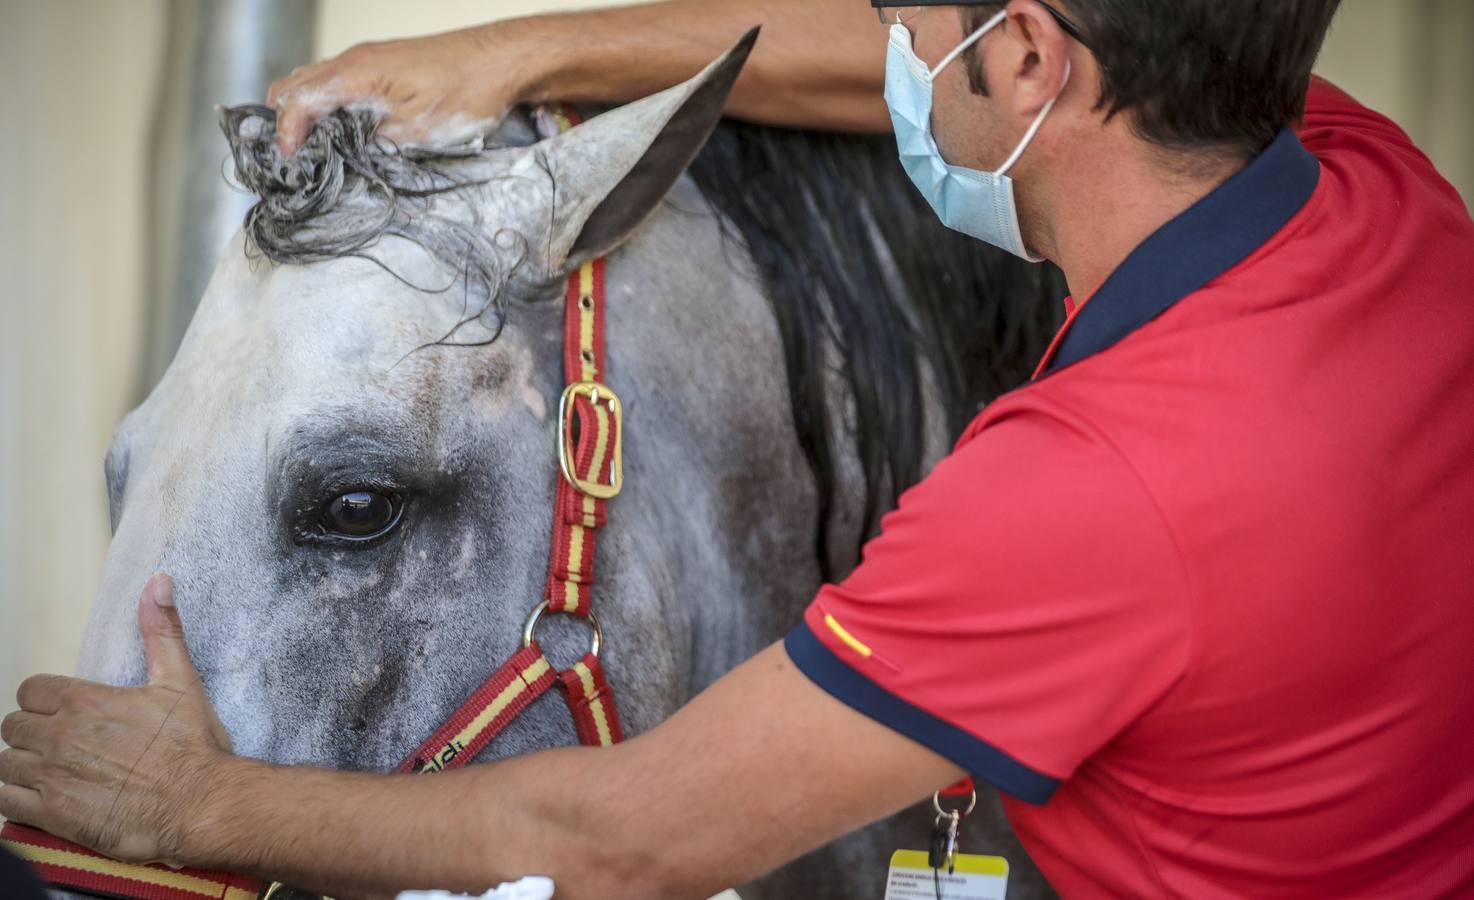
pixel 1197 599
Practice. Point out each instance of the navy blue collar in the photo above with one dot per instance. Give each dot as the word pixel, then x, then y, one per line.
pixel 1209 238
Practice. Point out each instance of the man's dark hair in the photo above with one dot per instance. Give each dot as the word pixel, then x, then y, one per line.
pixel 1223 76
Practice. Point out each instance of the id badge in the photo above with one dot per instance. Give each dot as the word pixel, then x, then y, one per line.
pixel 973 877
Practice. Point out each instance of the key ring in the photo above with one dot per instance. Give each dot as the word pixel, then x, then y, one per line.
pixel 936 802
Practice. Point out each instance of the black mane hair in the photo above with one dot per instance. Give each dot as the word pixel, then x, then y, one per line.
pixel 849 252
pixel 859 272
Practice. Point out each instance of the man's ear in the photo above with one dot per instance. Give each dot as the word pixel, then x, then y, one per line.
pixel 1044 57
pixel 611 172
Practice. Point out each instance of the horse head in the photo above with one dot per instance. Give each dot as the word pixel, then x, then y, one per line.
pixel 349 466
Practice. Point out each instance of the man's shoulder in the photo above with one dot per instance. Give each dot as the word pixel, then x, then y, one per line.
pixel 1366 148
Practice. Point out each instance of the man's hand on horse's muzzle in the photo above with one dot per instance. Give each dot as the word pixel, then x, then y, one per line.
pixel 122 770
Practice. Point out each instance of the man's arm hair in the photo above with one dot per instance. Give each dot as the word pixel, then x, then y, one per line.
pixel 818 64
pixel 760 769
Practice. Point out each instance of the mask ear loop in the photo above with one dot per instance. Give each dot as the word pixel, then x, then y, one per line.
pixel 1034 128
pixel 968 42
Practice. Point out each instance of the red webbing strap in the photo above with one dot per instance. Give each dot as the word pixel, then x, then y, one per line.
pixel 68 866
pixel 577 516
pixel 591 701
pixel 499 700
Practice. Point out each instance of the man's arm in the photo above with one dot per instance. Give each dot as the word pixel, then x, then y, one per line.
pixel 819 64
pixel 757 770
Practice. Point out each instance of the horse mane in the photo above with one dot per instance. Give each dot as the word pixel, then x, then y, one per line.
pixel 857 269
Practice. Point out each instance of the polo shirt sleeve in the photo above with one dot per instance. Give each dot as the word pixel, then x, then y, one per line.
pixel 1020 608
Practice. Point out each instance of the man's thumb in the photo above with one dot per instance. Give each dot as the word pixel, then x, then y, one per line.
pixel 163 636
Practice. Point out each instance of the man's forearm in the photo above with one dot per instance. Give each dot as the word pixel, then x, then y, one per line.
pixel 819 63
pixel 728 788
pixel 367 835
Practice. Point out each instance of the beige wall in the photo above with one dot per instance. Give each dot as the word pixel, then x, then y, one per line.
pixel 1414 61
pixel 76 84
pixel 343 23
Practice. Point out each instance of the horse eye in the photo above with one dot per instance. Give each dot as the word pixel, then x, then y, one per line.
pixel 362 515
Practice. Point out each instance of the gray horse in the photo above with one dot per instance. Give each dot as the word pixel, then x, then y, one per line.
pixel 349 467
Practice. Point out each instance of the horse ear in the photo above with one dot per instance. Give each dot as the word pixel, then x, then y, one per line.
pixel 611 172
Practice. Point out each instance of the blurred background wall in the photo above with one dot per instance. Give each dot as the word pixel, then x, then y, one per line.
pixel 91 199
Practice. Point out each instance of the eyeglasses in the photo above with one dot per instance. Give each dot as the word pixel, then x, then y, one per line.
pixel 897 15
pixel 906 13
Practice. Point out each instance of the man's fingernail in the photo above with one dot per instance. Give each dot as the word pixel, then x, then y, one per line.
pixel 160 591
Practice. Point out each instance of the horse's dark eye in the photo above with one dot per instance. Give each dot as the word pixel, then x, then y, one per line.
pixel 361 515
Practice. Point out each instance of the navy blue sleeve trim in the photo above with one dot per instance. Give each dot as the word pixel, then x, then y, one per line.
pixel 983 761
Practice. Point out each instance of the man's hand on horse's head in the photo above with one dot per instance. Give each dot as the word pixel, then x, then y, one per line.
pixel 123 770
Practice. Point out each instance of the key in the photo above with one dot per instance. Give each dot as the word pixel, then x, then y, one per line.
pixel 942 847
pixel 952 830
pixel 936 852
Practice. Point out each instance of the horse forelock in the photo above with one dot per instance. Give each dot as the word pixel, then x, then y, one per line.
pixel 346 188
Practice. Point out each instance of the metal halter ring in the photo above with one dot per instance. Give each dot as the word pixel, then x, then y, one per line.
pixel 936 802
pixel 529 630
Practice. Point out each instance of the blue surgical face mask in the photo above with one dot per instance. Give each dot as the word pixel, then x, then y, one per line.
pixel 975 203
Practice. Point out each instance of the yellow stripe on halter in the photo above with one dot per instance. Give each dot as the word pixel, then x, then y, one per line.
pixel 601 452
pixel 508 695
pixel 589 508
pixel 157 877
pixel 601 721
pixel 586 303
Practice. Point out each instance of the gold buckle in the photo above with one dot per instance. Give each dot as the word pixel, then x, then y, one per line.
pixel 595 392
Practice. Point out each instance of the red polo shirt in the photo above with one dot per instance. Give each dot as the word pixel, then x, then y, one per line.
pixel 1200 599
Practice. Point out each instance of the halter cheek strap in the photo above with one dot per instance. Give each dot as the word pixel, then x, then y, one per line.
pixel 590 462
